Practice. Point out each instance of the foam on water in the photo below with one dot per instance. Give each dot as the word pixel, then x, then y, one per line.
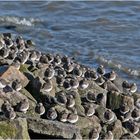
pixel 19 20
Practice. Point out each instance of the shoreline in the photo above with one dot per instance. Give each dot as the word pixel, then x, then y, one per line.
pixel 76 98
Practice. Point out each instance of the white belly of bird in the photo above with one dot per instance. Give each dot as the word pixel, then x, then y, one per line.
pixel 73 120
pixel 84 86
pixel 136 131
pixel 75 86
pixel 48 90
pixel 112 118
pixel 1 85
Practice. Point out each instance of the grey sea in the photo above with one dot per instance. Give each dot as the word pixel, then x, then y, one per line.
pixel 94 33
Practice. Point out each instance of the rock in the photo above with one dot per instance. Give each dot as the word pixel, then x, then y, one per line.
pixel 11 73
pixel 53 128
pixel 128 136
pixel 115 99
pixel 118 83
pixel 88 124
pixel 128 100
pixel 93 87
pixel 15 129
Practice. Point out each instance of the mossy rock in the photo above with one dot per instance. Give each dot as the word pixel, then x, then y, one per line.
pixel 15 129
pixel 114 99
pixel 24 68
pixel 7 130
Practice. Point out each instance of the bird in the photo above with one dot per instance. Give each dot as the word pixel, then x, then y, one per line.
pixel 133 88
pixel 108 136
pixel 72 118
pixel 61 98
pixel 137 103
pixel 8 41
pixel 10 114
pixel 57 60
pixel 6 106
pixel 4 52
pixel 49 73
pixel 109 115
pixel 93 75
pixel 68 67
pixel 47 86
pixel 40 109
pixel 101 70
pixel 74 83
pixel 91 97
pixel 3 83
pixel 63 116
pixel 83 84
pixel 89 110
pixel 60 80
pixel 77 71
pixel 112 75
pixel 33 56
pixel 100 80
pixel 124 109
pixel 126 85
pixel 50 57
pixel 126 117
pixel 2 43
pixel 23 105
pixel 135 114
pixel 44 59
pixel 38 55
pixel 51 113
pixel 132 127
pixel 94 134
pixel 16 85
pixel 70 101
pixel 67 85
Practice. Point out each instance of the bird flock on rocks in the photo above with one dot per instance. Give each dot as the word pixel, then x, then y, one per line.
pixel 70 76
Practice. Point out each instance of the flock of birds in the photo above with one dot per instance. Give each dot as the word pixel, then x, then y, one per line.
pixel 70 76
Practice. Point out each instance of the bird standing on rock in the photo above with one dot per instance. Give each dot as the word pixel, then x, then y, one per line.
pixel 16 85
pixel 49 73
pixel 40 109
pixel 51 114
pixel 109 115
pixel 73 117
pixel 94 134
pixel 10 114
pixel 101 70
pixel 133 88
pixel 83 84
pixel 23 106
pixel 63 116
pixel 47 86
pixel 3 83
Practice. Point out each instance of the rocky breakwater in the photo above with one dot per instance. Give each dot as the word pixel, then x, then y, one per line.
pixel 51 95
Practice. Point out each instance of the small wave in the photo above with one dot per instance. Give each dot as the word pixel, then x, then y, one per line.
pixel 19 20
pixel 112 64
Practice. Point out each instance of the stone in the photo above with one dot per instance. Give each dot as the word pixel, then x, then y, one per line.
pixel 53 128
pixel 115 100
pixel 10 73
pixel 15 129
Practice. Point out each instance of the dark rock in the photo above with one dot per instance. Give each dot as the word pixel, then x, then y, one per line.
pixel 53 128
